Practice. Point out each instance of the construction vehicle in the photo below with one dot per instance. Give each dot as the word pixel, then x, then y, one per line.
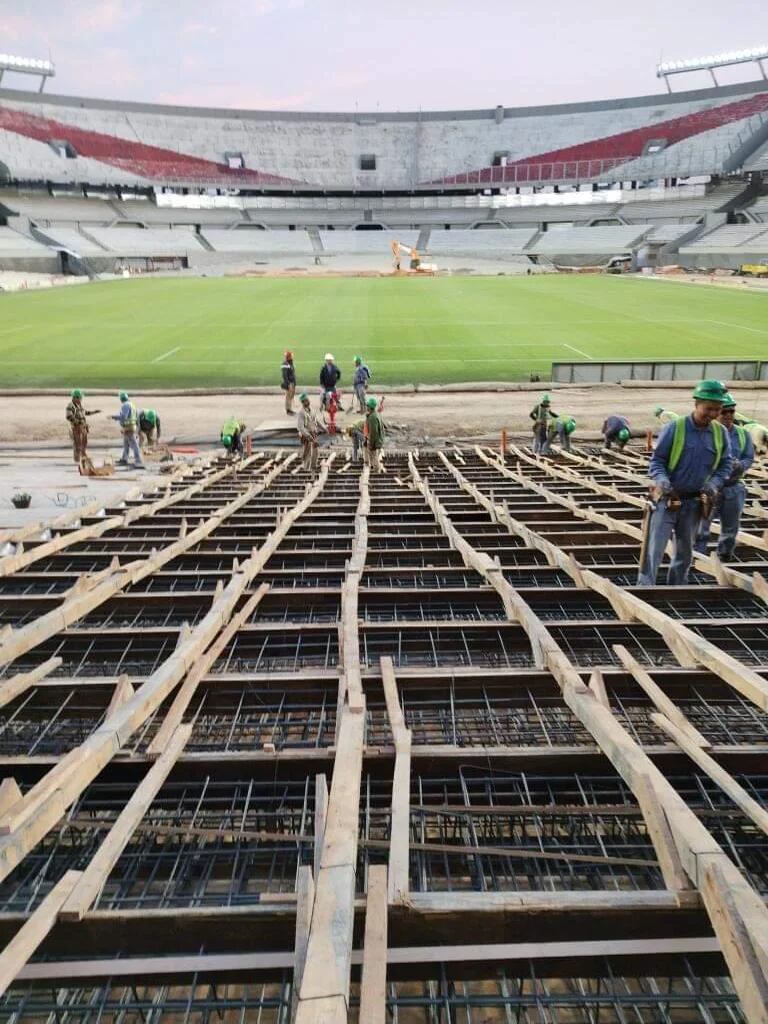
pixel 415 264
pixel 754 269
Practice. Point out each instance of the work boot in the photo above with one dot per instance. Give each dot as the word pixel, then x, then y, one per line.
pixel 139 465
pixel 122 462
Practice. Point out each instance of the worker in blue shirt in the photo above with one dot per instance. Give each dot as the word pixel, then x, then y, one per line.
pixel 734 493
pixel 690 464
pixel 615 430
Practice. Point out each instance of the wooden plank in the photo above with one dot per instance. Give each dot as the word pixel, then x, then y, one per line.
pixel 10 794
pixel 305 902
pixel 597 686
pixel 391 697
pixel 399 848
pixel 123 692
pixel 373 985
pixel 662 702
pixel 672 869
pixel 321 812
pixel 103 861
pixel 22 681
pixel 745 968
pixel 189 687
pixel 34 930
pixel 753 810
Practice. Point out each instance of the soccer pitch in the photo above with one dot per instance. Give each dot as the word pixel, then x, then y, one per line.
pixel 228 332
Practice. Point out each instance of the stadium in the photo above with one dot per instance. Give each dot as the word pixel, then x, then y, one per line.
pixel 377 712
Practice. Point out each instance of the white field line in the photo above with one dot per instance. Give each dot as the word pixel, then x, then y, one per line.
pixel 578 351
pixel 166 354
pixel 739 327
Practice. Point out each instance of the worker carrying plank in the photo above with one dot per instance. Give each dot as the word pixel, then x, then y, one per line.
pixel 308 426
pixel 615 430
pixel 734 493
pixel 541 414
pixel 76 415
pixel 688 469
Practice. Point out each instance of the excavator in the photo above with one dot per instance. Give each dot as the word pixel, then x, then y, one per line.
pixel 399 249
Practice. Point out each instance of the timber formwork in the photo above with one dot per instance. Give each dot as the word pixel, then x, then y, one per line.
pixel 411 746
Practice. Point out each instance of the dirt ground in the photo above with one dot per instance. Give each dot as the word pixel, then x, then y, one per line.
pixel 196 419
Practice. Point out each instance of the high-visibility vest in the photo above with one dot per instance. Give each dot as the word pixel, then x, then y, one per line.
pixel 678 443
pixel 130 423
pixel 742 436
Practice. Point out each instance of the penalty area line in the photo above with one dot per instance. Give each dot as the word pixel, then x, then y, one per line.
pixel 578 351
pixel 165 355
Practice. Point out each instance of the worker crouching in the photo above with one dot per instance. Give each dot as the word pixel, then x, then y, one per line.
pixel 149 427
pixel 309 427
pixel 559 429
pixel 734 493
pixel 688 469
pixel 232 435
pixel 616 431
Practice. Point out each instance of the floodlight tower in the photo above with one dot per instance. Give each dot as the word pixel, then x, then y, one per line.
pixel 720 60
pixel 27 66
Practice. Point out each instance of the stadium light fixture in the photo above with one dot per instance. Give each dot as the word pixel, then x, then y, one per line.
pixel 755 54
pixel 27 66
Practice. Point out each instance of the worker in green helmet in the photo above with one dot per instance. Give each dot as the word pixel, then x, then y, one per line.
pixel 374 436
pixel 128 418
pixel 541 414
pixel 232 435
pixel 309 427
pixel 756 431
pixel 77 418
pixel 360 382
pixel 734 493
pixel 559 429
pixel 615 430
pixel 149 427
pixel 688 470
pixel 665 416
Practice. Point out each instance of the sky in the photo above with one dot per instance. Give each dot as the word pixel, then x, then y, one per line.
pixel 397 55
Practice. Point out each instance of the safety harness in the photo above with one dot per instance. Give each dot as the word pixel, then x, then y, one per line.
pixel 678 443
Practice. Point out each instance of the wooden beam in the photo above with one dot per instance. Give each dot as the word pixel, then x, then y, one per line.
pixel 123 692
pixel 399 842
pixel 662 702
pixel 321 812
pixel 305 902
pixel 22 681
pixel 373 985
pixel 103 861
pixel 660 835
pixel 34 930
pixel 597 686
pixel 10 794
pixel 753 810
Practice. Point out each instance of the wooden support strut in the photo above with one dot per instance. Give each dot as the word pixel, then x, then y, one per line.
pixel 45 803
pixel 74 608
pixel 399 884
pixel 373 985
pixel 743 931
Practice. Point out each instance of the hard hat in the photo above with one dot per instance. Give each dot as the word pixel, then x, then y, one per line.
pixel 123 396
pixel 329 357
pixel 545 399
pixel 570 425
pixel 624 434
pixel 710 391
pixel 76 393
pixel 303 397
pixel 371 403
pixel 658 410
pixel 729 402
pixel 150 415
pixel 226 439
pixel 358 359
pixel 288 354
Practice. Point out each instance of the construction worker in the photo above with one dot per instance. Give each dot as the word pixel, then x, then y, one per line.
pixel 689 466
pixel 374 436
pixel 308 426
pixel 756 431
pixel 232 435
pixel 330 375
pixel 128 418
pixel 149 427
pixel 360 383
pixel 288 382
pixel 734 493
pixel 78 424
pixel 560 428
pixel 541 414
pixel 615 430
pixel 665 416
pixel 356 432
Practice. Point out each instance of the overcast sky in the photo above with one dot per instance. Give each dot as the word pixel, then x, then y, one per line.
pixel 395 55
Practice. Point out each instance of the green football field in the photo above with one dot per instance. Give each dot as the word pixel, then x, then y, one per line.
pixel 230 332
